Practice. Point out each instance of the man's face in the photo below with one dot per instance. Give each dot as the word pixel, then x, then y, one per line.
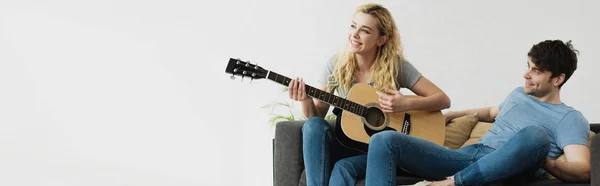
pixel 538 83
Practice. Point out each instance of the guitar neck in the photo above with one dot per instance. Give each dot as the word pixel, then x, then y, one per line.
pixel 327 97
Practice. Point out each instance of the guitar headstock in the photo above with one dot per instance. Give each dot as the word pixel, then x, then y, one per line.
pixel 237 67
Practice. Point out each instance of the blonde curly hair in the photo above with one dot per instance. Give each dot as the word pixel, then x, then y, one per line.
pixel 385 69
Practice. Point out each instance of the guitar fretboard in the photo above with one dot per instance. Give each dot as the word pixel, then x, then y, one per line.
pixel 327 97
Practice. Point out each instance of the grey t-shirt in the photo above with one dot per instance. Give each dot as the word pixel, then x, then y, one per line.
pixel 407 77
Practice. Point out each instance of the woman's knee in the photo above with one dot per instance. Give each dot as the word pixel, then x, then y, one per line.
pixel 315 125
pixel 385 137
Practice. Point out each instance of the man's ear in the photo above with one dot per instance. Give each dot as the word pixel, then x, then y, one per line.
pixel 382 40
pixel 559 79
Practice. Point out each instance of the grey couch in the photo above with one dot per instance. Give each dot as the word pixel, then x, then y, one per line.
pixel 288 165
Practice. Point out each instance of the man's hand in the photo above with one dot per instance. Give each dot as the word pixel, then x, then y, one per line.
pixel 549 162
pixel 449 116
pixel 446 182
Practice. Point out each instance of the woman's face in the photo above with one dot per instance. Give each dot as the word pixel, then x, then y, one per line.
pixel 364 35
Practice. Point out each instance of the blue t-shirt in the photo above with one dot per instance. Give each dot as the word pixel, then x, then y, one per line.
pixel 564 124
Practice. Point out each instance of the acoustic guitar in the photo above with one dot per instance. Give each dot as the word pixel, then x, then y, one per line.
pixel 361 115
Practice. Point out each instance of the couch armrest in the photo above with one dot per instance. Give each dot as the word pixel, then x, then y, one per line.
pixel 287 161
pixel 595 158
pixel 595 127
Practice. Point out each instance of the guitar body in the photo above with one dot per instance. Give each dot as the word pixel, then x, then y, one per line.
pixel 354 131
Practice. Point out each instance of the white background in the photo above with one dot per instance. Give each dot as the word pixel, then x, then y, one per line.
pixel 132 92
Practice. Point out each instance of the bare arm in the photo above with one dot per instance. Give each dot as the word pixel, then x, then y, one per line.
pixel 431 96
pixel 487 114
pixel 575 169
pixel 314 107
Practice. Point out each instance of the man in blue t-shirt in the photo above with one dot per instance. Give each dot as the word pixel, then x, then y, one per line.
pixel 532 127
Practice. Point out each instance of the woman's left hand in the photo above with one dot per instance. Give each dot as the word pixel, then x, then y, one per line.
pixel 393 101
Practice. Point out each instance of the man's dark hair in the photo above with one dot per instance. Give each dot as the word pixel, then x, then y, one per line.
pixel 555 56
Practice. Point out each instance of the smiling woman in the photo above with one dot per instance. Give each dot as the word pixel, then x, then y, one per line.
pixel 373 56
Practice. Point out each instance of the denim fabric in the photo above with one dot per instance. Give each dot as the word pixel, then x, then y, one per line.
pixel 321 149
pixel 476 164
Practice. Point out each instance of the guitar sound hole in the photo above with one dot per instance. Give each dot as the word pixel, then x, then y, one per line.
pixel 375 117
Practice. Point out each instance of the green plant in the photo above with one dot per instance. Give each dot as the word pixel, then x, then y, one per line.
pixel 291 114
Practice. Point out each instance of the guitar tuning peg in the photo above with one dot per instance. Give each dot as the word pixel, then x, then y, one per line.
pixel 256 66
pixel 232 77
pixel 252 77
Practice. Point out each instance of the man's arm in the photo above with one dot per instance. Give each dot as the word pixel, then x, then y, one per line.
pixel 575 169
pixel 487 114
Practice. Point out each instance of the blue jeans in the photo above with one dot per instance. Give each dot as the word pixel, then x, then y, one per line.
pixel 321 149
pixel 477 164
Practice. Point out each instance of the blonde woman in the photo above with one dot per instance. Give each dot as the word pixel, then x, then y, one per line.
pixel 373 55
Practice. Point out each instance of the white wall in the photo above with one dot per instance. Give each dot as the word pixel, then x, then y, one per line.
pixel 134 92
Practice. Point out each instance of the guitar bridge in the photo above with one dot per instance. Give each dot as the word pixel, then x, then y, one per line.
pixel 406 126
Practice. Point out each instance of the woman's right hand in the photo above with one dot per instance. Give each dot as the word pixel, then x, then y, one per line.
pixel 297 90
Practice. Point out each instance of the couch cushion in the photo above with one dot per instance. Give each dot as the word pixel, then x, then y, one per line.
pixel 478 131
pixel 459 130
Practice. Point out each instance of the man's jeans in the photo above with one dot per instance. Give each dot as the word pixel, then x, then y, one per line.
pixel 477 164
